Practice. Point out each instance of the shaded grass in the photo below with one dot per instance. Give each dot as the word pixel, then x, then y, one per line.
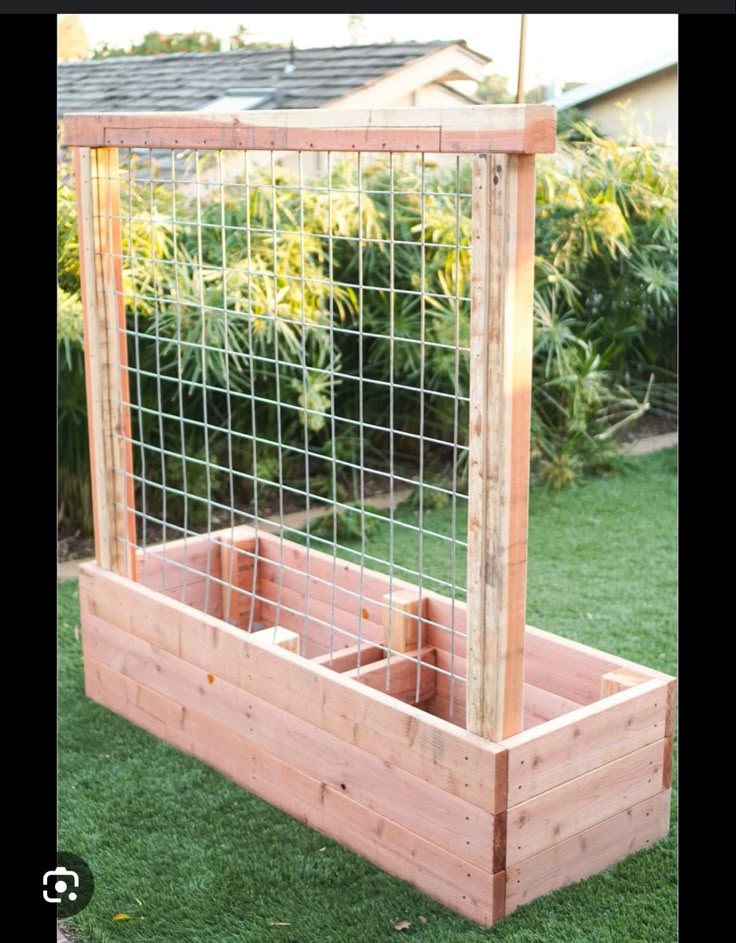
pixel 193 858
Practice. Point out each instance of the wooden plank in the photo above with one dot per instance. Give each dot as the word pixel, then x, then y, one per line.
pixel 619 680
pixel 564 811
pixel 539 705
pixel 321 614
pixel 111 250
pixel 564 748
pixel 180 568
pixel 347 658
pixel 667 763
pixel 105 352
pixel 238 566
pixel 277 635
pixel 401 620
pixel 512 129
pixel 204 595
pixel 326 570
pixel 314 635
pixel 93 340
pixel 572 669
pixel 592 850
pixel 669 724
pixel 563 666
pixel 452 759
pixel 402 676
pixel 453 882
pixel 502 264
pixel 453 824
pixel 171 564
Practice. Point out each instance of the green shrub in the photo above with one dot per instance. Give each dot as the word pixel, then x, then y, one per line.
pixel 605 296
pixel 604 324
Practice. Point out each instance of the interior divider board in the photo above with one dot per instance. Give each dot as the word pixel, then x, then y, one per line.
pixel 451 880
pixel 440 753
pixel 569 746
pixel 455 824
pixel 592 850
pixel 564 811
pixel 402 680
pixel 347 658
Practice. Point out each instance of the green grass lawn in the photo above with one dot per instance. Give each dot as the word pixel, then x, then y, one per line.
pixel 192 858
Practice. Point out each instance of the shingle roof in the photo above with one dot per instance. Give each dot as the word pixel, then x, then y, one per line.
pixel 189 81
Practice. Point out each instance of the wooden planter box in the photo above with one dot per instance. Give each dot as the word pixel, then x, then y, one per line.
pixel 542 761
pixel 482 827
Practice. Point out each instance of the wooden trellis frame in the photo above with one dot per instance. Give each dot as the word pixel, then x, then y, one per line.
pixel 483 816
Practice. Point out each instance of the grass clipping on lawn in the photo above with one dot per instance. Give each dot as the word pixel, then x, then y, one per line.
pixel 191 857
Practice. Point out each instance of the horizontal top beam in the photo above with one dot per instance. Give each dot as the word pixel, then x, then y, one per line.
pixel 501 129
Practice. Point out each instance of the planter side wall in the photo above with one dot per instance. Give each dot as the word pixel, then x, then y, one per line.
pixel 400 787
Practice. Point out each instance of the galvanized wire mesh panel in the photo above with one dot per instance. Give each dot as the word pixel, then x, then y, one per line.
pixel 297 329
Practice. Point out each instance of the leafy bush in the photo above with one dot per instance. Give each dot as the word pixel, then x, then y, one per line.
pixel 605 299
pixel 604 322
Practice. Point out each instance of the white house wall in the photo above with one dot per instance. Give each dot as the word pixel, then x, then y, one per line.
pixel 654 102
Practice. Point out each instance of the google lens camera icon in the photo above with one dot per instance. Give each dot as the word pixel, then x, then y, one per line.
pixel 70 885
pixel 65 884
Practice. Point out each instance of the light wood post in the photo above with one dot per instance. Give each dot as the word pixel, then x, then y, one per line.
pixel 238 552
pixel 501 334
pixel 105 358
pixel 401 618
pixel 619 680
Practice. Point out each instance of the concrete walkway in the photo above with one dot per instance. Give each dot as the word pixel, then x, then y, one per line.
pixel 69 569
pixel 652 443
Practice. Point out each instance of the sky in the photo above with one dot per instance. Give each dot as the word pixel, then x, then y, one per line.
pixel 582 47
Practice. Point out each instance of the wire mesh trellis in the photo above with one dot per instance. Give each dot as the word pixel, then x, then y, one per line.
pixel 297 330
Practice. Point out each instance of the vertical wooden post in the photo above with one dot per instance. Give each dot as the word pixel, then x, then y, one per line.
pixel 106 358
pixel 501 332
pixel 238 551
pixel 401 619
